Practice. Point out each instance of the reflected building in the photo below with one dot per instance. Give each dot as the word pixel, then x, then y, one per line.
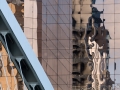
pixel 90 47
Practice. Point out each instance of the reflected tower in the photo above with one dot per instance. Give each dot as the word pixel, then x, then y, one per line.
pixel 90 47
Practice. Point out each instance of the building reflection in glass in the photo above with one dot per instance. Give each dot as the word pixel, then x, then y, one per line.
pixel 92 44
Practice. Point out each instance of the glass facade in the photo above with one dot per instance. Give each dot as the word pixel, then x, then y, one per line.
pixel 96 28
pixel 77 41
pixel 57 42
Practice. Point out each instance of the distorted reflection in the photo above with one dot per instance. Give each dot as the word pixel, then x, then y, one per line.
pixel 93 61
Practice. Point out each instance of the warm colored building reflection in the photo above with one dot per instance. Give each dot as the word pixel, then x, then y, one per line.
pixel 9 77
pixel 18 12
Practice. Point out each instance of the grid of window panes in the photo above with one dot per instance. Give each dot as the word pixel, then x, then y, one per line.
pixel 57 42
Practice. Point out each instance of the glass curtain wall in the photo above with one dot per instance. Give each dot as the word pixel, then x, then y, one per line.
pixel 87 42
pixel 57 42
pixel 96 44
